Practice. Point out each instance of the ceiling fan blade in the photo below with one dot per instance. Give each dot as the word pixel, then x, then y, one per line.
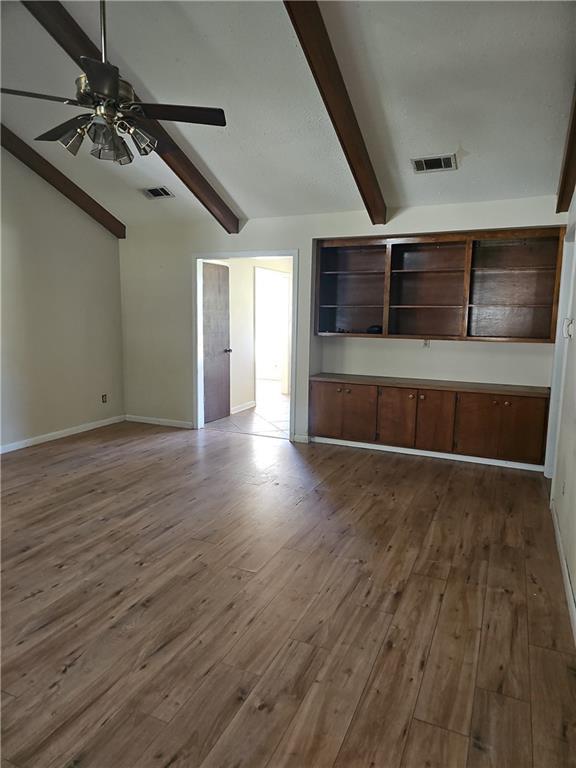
pixel 102 77
pixel 56 133
pixel 179 114
pixel 44 96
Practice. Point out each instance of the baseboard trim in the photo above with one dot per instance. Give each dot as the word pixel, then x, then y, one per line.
pixel 430 454
pixel 243 407
pixel 300 439
pixel 160 422
pixel 49 436
pixel 568 588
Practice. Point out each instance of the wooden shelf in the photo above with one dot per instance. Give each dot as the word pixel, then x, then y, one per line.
pixel 527 306
pixel 352 272
pixel 460 386
pixel 426 306
pixel 495 286
pixel 513 269
pixel 352 334
pixel 351 306
pixel 408 271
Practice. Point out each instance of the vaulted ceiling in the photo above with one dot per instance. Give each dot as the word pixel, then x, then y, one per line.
pixel 489 81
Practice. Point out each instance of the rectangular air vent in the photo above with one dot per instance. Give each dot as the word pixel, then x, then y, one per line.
pixel 157 193
pixel 433 164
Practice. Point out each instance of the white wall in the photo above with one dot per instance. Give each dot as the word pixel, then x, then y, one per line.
pixel 61 333
pixel 453 360
pixel 564 481
pixel 157 284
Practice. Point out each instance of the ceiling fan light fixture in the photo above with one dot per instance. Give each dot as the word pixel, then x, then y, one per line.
pixel 115 150
pixel 100 133
pixel 72 140
pixel 144 142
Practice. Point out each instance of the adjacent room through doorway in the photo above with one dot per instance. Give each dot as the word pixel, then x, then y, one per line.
pixel 245 355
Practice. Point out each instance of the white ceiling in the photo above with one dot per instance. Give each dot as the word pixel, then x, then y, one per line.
pixel 490 81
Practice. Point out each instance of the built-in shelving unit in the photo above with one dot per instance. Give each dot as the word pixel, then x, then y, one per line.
pixel 490 285
pixel 351 290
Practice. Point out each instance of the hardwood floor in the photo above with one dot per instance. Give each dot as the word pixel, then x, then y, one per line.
pixel 177 599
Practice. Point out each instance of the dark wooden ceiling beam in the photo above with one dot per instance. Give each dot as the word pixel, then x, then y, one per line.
pixel 568 172
pixel 313 36
pixel 71 37
pixel 59 181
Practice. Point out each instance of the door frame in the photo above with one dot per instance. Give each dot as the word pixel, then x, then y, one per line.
pixel 198 330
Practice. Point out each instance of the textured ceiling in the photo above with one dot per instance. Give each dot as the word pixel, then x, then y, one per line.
pixel 489 81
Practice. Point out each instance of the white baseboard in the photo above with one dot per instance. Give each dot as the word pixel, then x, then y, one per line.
pixel 243 407
pixel 160 422
pixel 570 595
pixel 431 454
pixel 46 438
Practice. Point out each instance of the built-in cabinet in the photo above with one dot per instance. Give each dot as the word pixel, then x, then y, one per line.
pixel 498 285
pixel 491 421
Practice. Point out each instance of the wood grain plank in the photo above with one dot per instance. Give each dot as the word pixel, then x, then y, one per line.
pixel 500 732
pixel 253 735
pixel 432 747
pixel 192 733
pixel 377 736
pixel 447 692
pixel 259 644
pixel 503 665
pixel 120 742
pixel 318 729
pixel 553 708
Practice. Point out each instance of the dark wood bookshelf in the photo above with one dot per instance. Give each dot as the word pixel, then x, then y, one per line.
pixel 499 285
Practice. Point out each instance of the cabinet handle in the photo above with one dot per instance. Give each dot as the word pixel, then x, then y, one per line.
pixel 411 397
pixel 347 391
pixel 507 402
pixel 495 402
pixel 422 397
pixel 339 389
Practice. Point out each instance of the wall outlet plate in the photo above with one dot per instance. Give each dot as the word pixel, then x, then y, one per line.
pixel 104 398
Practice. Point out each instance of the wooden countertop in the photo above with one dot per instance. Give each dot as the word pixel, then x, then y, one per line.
pixel 453 386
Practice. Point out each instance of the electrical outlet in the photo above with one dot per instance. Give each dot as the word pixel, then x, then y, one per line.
pixel 426 343
pixel 104 398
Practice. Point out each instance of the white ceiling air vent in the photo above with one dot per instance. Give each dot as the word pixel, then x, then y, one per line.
pixel 157 193
pixel 433 164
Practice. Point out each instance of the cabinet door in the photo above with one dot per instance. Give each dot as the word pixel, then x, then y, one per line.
pixel 397 416
pixel 435 420
pixel 325 409
pixel 477 424
pixel 523 429
pixel 359 404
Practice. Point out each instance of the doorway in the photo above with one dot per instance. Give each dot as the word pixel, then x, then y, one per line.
pixel 245 328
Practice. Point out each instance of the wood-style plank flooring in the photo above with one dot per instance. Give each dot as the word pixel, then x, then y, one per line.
pixel 177 599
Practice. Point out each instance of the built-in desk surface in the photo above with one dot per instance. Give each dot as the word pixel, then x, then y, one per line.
pixel 453 386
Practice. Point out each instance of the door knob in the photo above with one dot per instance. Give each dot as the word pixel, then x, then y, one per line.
pixel 228 350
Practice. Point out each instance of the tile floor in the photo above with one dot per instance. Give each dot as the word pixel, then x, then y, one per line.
pixel 270 417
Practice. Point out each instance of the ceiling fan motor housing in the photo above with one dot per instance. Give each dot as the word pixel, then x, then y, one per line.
pixel 85 95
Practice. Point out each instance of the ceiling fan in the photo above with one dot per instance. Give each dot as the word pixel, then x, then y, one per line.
pixel 115 112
